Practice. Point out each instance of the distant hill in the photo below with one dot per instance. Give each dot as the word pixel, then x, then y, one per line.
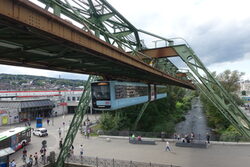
pixel 31 82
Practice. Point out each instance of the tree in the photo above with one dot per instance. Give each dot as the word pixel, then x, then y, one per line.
pixel 230 81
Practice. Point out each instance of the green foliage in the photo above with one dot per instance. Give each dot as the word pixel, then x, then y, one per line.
pixel 38 81
pixel 106 121
pixel 230 134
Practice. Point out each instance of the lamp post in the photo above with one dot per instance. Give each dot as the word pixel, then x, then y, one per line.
pixel 9 118
pixel 52 114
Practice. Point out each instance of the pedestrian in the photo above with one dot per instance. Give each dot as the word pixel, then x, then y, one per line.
pixel 43 154
pixel 30 163
pixel 59 132
pixel 24 154
pixel 192 136
pixel 167 146
pixel 88 132
pixel 60 143
pixel 63 124
pixel 178 137
pixel 48 121
pixel 72 151
pixel 208 138
pixel 12 163
pixel 36 158
pixel 81 150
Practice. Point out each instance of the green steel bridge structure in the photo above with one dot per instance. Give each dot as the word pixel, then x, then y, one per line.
pixel 91 37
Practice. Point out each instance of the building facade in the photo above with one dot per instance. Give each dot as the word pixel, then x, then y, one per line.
pixel 20 106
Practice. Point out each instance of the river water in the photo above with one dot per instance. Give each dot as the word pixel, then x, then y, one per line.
pixel 195 122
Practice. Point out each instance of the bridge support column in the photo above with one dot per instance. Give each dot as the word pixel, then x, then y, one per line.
pixel 76 121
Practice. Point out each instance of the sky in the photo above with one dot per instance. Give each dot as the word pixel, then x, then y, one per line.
pixel 217 30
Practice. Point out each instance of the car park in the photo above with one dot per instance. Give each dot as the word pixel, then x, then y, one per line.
pixel 40 132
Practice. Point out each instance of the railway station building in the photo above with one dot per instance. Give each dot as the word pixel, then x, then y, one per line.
pixel 21 106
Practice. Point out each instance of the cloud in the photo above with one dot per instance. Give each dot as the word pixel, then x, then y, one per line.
pixel 241 65
pixel 217 30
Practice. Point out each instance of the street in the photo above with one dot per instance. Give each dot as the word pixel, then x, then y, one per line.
pixel 220 155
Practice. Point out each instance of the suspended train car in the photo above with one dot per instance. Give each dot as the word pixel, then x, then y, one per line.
pixel 112 95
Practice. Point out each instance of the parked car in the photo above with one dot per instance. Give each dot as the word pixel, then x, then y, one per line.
pixel 40 132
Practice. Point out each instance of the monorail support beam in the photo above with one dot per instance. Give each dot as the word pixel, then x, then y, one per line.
pixel 214 90
pixel 76 121
pixel 145 105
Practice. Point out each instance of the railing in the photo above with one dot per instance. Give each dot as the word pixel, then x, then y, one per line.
pixel 103 162
pixel 198 137
pixel 73 160
pixel 137 133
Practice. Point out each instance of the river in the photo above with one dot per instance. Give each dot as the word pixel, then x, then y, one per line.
pixel 195 122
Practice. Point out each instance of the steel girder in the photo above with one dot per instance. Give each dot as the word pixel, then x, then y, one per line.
pixel 76 121
pixel 100 18
pixel 214 90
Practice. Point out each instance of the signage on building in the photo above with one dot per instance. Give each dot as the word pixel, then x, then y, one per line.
pixel 3 112
pixel 62 104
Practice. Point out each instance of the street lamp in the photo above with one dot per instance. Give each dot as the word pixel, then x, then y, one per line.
pixel 9 118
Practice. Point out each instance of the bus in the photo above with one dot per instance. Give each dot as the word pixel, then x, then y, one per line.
pixel 15 138
pixel 112 95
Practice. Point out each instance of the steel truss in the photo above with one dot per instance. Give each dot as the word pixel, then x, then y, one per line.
pixel 76 122
pixel 99 18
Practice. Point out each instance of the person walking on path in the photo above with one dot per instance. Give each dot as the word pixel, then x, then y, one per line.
pixel 30 163
pixel 48 121
pixel 60 143
pixel 167 148
pixel 81 150
pixel 24 154
pixel 12 163
pixel 88 133
pixel 36 158
pixel 208 138
pixel 60 132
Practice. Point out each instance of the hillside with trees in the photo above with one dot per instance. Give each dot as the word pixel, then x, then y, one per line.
pixel 30 82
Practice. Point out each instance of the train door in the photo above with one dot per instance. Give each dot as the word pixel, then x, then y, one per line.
pixel 152 92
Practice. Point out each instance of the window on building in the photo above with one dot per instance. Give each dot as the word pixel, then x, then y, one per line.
pixel 68 98
pixel 73 98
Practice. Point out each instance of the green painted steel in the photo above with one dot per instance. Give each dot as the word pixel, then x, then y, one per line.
pixel 100 18
pixel 144 107
pixel 214 90
pixel 76 121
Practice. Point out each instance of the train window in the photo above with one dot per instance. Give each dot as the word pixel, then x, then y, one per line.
pixel 100 91
pixel 161 89
pixel 123 91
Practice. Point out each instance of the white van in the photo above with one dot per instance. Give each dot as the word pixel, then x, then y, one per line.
pixel 40 132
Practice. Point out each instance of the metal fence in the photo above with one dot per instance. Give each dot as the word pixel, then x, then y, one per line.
pixel 136 133
pixel 214 137
pixel 103 162
pixel 99 162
